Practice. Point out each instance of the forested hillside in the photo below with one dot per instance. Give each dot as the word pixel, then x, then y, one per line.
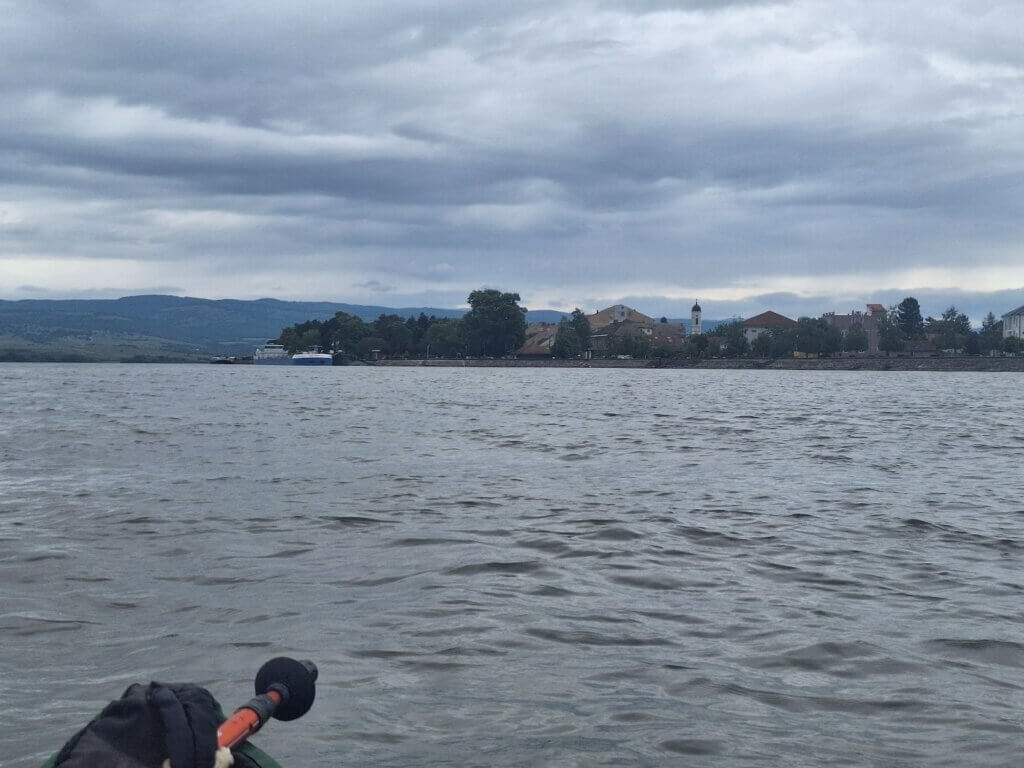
pixel 165 327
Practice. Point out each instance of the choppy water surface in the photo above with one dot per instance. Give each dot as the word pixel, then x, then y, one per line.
pixel 525 567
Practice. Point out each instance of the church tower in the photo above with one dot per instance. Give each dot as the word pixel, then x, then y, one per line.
pixel 695 329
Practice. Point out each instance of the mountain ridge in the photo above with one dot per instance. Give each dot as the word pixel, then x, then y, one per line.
pixel 161 326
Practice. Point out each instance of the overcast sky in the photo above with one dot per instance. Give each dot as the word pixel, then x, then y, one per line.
pixel 796 156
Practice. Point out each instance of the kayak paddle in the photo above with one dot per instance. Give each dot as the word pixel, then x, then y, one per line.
pixel 285 689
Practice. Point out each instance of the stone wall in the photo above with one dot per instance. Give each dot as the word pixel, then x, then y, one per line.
pixel 1009 364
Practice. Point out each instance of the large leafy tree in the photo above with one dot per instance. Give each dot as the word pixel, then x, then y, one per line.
pixel 304 336
pixel 831 339
pixel 697 346
pixel 778 342
pixel 815 336
pixel 783 342
pixel 890 336
pixel 856 339
pixel 395 332
pixel 567 343
pixel 908 318
pixel 951 330
pixel 581 325
pixel 761 346
pixel 495 324
pixel 573 336
pixel 991 336
pixel 444 338
pixel 734 335
pixel 368 344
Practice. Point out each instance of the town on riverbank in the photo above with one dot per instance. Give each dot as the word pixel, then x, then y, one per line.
pixel 171 329
pixel 494 332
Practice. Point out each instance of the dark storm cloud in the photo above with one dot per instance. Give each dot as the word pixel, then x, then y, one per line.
pixel 576 149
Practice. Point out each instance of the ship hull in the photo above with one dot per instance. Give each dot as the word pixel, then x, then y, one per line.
pixel 312 359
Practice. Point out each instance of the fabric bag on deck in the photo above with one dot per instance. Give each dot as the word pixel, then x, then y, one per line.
pixel 153 723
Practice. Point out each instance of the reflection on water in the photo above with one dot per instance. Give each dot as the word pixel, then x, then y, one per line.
pixel 524 567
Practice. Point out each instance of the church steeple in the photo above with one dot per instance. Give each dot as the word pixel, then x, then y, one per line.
pixel 695 328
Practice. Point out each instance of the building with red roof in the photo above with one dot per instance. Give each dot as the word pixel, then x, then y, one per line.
pixel 766 321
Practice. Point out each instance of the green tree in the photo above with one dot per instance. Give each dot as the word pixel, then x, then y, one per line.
pixel 783 342
pixel 310 339
pixel 637 347
pixel 832 340
pixel 344 332
pixel 890 337
pixel 951 330
pixel 303 336
pixel 761 346
pixel 495 324
pixel 972 344
pixel 814 336
pixel 581 325
pixel 395 332
pixel 418 328
pixel 908 318
pixel 856 339
pixel 1011 345
pixel 567 342
pixel 367 344
pixel 444 338
pixel 697 346
pixel 960 323
pixel 991 337
pixel 734 336
pixel 289 339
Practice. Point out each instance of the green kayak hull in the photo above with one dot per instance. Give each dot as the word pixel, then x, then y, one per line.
pixel 246 756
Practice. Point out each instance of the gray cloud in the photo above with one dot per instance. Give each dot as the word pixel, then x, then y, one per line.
pixel 376 286
pixel 572 151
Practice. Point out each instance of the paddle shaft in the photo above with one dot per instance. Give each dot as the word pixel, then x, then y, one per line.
pixel 250 717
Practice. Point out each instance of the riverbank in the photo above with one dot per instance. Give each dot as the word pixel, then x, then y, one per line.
pixel 952 364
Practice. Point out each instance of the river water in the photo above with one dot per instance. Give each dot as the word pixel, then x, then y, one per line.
pixel 524 567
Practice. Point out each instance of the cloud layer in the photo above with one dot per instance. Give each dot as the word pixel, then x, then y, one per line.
pixel 578 152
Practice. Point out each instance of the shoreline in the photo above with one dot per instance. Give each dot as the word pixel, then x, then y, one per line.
pixel 937 364
pixel 940 364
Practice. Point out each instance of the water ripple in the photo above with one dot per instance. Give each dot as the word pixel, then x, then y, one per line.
pixel 524 567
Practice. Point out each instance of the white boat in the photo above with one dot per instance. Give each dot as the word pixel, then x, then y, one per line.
pixel 271 354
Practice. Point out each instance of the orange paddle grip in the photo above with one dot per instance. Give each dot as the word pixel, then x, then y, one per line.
pixel 242 724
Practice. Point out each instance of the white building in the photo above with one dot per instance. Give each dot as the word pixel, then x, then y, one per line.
pixel 1013 323
pixel 695 320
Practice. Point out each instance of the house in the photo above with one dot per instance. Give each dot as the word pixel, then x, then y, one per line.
pixel 619 313
pixel 766 321
pixel 668 336
pixel 540 337
pixel 870 321
pixel 1013 324
pixel 619 335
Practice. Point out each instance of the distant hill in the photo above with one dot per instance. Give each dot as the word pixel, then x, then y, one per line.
pixel 168 327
